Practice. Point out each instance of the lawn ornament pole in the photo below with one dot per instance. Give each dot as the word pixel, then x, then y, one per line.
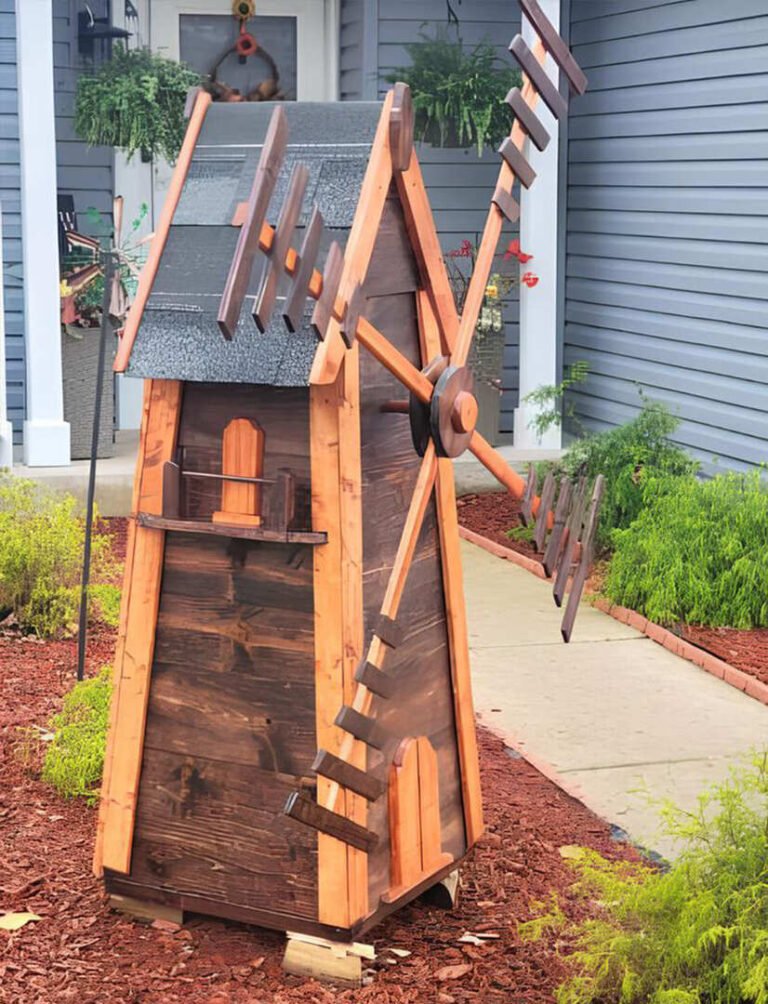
pixel 293 739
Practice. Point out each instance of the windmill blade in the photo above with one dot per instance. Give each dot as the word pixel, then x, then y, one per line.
pixel 264 181
pixel 555 45
pixel 117 216
pixel 281 242
pixel 293 311
pixel 357 718
pixel 587 544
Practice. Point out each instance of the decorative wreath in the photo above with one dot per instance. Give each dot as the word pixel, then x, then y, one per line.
pixel 244 46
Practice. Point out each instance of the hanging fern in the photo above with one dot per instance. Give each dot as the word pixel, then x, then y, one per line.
pixel 458 94
pixel 135 101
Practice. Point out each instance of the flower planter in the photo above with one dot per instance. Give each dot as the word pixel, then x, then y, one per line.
pixel 79 363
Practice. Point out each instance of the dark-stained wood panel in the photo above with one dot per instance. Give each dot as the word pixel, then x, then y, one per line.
pixel 420 665
pixel 231 721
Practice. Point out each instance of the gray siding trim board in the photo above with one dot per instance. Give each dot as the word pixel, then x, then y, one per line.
pixel 667 194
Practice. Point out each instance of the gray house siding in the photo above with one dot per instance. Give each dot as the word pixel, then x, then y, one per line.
pixel 667 197
pixel 85 173
pixel 10 197
pixel 373 39
pixel 82 171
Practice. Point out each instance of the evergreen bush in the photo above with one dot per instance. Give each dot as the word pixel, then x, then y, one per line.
pixel 697 552
pixel 41 553
pixel 694 934
pixel 630 457
pixel 74 759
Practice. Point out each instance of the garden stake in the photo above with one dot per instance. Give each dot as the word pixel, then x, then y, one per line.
pixel 82 631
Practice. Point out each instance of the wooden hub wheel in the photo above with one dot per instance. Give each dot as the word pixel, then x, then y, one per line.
pixel 453 411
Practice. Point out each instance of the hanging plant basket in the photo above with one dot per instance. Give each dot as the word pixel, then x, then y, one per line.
pixel 135 102
pixel 458 93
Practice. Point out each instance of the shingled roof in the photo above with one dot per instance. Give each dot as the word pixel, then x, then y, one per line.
pixel 178 337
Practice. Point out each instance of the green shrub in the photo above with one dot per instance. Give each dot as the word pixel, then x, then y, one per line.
pixel 41 553
pixel 698 553
pixel 695 934
pixel 630 457
pixel 74 759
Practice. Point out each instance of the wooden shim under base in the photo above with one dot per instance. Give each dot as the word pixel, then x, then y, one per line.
pixel 327 961
pixel 142 909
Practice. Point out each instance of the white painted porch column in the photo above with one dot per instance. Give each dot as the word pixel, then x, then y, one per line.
pixel 538 236
pixel 6 430
pixel 46 434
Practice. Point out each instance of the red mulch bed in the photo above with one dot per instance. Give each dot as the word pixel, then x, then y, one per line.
pixel 495 513
pixel 492 515
pixel 81 951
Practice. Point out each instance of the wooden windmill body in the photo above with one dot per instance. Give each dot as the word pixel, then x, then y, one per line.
pixel 292 738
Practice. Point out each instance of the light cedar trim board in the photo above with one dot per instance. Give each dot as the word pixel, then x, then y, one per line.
pixel 492 231
pixel 353 635
pixel 357 253
pixel 426 245
pixel 324 408
pixel 149 271
pixel 137 631
pixel 456 616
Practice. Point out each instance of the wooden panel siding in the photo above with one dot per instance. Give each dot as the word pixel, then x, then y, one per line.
pixel 460 185
pixel 231 718
pixel 423 701
pixel 666 201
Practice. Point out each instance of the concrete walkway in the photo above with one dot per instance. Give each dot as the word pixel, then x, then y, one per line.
pixel 612 712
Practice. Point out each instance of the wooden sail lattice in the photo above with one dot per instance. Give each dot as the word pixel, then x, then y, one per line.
pixel 442 407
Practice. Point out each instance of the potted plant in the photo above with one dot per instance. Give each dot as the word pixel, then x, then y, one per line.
pixel 458 93
pixel 134 101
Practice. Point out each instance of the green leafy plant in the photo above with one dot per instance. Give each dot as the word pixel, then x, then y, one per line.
pixel 696 552
pixel 630 457
pixel 694 934
pixel 549 399
pixel 458 94
pixel 74 759
pixel 41 550
pixel 134 101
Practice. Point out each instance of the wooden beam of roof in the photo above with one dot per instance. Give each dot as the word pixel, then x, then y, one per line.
pixel 148 273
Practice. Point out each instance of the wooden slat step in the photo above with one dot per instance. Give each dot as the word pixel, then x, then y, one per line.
pixel 536 73
pixel 516 160
pixel 503 200
pixel 389 631
pixel 286 224
pixel 366 729
pixel 555 538
pixel 306 810
pixel 545 505
pixel 267 171
pixel 376 680
pixel 293 312
pixel 321 315
pixel 526 508
pixel 587 543
pixel 348 776
pixel 355 307
pixel 575 523
pixel 555 45
pixel 527 118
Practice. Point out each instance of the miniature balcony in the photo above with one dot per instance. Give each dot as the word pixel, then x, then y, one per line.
pixel 275 520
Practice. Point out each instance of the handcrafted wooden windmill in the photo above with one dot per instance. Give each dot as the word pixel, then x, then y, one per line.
pixel 293 740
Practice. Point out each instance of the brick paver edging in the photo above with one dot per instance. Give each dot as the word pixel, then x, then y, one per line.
pixel 704 660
